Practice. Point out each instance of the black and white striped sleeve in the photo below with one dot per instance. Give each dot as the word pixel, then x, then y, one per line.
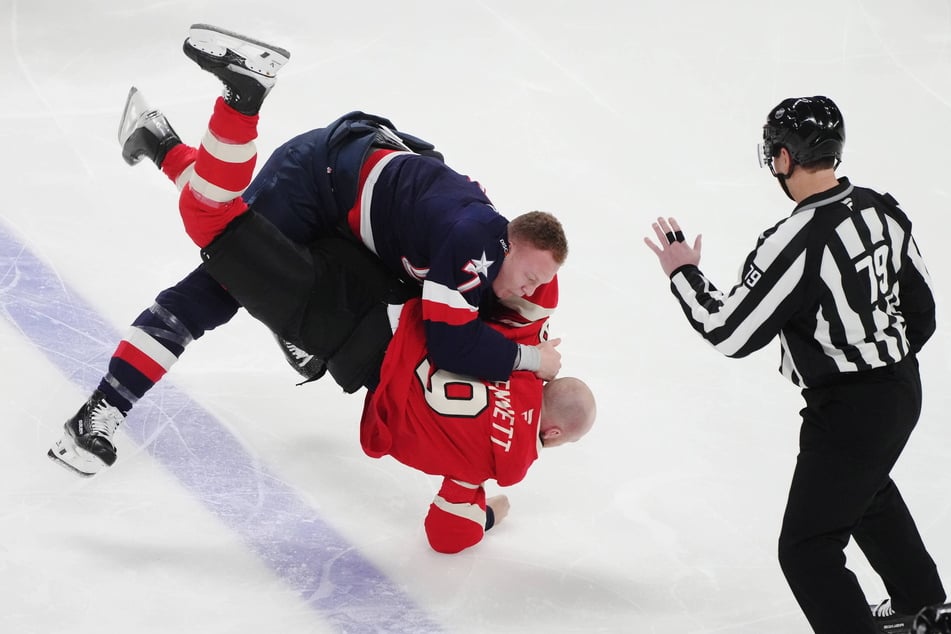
pixel 770 290
pixel 917 299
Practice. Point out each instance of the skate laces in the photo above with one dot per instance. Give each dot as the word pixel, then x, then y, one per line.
pixel 229 95
pixel 883 609
pixel 104 420
pixel 301 356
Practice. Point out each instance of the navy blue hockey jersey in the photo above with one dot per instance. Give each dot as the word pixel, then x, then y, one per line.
pixel 425 221
pixel 438 228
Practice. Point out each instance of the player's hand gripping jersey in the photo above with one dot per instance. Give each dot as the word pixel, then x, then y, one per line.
pixel 466 430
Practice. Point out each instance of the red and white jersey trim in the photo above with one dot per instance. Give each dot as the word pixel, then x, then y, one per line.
pixel 471 512
pixel 527 309
pixel 417 273
pixel 441 303
pixel 364 203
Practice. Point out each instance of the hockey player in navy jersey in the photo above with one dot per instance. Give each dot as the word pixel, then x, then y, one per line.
pixel 360 176
pixel 843 286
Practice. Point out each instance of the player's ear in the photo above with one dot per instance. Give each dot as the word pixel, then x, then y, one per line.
pixel 551 433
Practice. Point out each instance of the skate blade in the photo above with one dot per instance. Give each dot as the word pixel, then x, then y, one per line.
pixel 135 111
pixel 68 455
pixel 259 57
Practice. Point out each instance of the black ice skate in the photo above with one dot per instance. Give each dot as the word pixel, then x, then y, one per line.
pixel 304 363
pixel 86 446
pixel 889 621
pixel 144 131
pixel 248 68
pixel 933 620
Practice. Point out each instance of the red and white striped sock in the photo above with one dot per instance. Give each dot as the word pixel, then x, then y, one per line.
pixel 222 170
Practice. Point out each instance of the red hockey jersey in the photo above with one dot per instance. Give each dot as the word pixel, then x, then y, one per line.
pixel 466 430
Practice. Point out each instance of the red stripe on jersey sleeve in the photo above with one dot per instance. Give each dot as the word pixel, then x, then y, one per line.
pixel 435 311
pixel 356 212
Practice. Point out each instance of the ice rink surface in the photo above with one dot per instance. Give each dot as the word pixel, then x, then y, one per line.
pixel 243 504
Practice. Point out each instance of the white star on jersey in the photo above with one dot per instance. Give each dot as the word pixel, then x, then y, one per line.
pixel 480 266
pixel 476 268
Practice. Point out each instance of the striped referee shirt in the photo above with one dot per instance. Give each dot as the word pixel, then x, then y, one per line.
pixel 841 281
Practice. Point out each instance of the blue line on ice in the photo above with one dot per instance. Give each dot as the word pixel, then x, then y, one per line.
pixel 347 590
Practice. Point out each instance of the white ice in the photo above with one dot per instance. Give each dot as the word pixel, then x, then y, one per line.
pixel 606 113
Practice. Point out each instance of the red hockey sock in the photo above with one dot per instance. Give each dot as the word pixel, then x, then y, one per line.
pixel 178 159
pixel 224 165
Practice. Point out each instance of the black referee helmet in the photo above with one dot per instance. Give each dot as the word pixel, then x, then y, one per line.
pixel 810 128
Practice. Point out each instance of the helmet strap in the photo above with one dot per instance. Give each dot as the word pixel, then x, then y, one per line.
pixel 782 180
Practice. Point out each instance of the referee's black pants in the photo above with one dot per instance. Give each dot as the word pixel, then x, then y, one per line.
pixel 852 434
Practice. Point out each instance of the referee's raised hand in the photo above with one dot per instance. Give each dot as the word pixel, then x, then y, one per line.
pixel 672 249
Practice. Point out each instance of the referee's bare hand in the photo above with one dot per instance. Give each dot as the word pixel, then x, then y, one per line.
pixel 671 248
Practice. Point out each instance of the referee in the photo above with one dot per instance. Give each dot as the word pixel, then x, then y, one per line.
pixel 841 281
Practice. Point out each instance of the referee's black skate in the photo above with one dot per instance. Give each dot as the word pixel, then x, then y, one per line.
pixel 144 131
pixel 933 620
pixel 86 446
pixel 247 67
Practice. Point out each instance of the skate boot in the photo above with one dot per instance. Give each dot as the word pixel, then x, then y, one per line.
pixel 86 446
pixel 248 68
pixel 144 131
pixel 933 620
pixel 889 621
pixel 304 363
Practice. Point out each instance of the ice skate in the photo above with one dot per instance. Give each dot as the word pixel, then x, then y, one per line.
pixel 248 68
pixel 889 621
pixel 86 446
pixel 144 131
pixel 305 364
pixel 933 620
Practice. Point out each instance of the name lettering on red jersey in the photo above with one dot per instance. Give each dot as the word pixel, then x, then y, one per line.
pixel 503 415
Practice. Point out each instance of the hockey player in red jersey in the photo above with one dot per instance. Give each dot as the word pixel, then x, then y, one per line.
pixel 467 430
